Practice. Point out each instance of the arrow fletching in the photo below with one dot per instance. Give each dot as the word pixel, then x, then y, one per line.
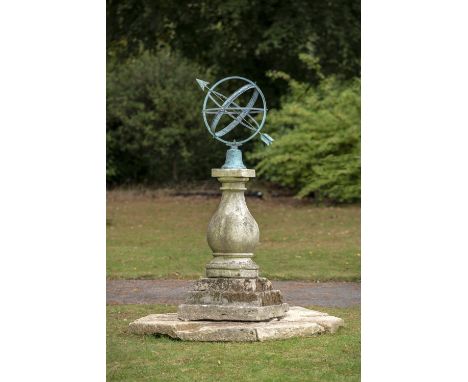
pixel 266 139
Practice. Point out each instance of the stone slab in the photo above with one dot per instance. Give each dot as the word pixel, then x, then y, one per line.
pixel 230 312
pixel 233 172
pixel 298 322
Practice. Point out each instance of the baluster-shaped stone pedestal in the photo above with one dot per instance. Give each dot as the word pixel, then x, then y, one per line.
pixel 233 290
pixel 233 303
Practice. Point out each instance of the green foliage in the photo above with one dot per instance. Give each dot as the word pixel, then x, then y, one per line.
pixel 154 129
pixel 317 146
pixel 244 37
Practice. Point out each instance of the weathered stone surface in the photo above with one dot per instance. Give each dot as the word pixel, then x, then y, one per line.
pixel 236 172
pixel 233 299
pixel 260 284
pixel 232 232
pixel 285 330
pixel 298 322
pixel 224 291
pixel 231 312
pixel 228 266
pixel 219 334
pixel 300 314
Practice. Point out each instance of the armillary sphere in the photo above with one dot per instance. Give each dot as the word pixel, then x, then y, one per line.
pixel 242 108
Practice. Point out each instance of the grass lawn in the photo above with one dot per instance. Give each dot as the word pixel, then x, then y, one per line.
pixel 152 236
pixel 329 357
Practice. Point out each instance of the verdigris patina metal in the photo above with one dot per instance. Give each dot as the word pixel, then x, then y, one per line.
pixel 231 110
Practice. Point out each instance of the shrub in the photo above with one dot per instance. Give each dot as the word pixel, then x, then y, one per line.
pixel 155 133
pixel 317 146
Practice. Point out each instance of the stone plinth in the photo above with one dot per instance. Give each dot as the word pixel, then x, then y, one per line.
pixel 229 312
pixel 298 322
pixel 236 292
pixel 232 299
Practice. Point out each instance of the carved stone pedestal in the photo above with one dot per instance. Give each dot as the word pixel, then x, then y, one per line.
pixel 233 303
pixel 232 290
pixel 232 232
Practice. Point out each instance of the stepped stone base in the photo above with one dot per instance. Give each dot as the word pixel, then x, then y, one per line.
pixel 297 322
pixel 231 313
pixel 233 299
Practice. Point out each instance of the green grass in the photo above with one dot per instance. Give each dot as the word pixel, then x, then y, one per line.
pixel 165 237
pixel 329 357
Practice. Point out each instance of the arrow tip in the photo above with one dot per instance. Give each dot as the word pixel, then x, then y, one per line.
pixel 202 84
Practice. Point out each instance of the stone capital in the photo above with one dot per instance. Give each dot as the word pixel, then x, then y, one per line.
pixel 233 172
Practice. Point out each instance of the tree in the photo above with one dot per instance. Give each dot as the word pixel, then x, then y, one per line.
pixel 243 37
pixel 154 128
